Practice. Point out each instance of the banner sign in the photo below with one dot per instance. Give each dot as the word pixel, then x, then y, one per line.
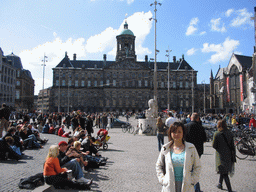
pixel 241 88
pixel 228 93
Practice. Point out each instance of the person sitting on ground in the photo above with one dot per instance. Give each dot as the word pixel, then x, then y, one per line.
pixel 51 129
pixel 29 141
pixel 57 176
pixel 46 128
pixel 77 132
pixel 13 133
pixel 61 130
pixel 31 130
pixel 6 150
pixel 69 162
pixel 87 145
pixel 76 150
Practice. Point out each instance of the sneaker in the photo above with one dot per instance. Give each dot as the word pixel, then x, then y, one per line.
pixel 85 181
pixel 219 186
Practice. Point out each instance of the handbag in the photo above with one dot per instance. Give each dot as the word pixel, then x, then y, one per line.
pixel 233 154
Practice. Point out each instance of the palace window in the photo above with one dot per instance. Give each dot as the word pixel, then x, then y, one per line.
pixel 146 83
pixel 95 83
pixel 114 82
pixel 181 84
pixel 76 83
pixel 82 83
pixel 101 83
pixel 89 84
pixel 57 82
pixel 107 82
pixel 63 83
pixel 174 85
pixel 139 83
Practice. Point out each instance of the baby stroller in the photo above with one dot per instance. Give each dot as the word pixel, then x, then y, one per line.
pixel 102 139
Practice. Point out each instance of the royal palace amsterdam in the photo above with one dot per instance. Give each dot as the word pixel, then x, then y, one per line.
pixel 121 85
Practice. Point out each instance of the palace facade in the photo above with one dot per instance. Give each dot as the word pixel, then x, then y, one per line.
pixel 124 84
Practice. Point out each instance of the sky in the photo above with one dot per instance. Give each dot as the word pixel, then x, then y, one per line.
pixel 206 32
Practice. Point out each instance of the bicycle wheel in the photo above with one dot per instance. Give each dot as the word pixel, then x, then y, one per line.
pixel 131 129
pixel 105 146
pixel 124 129
pixel 242 146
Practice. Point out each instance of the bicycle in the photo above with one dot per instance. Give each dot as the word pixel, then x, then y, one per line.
pixel 128 128
pixel 149 131
pixel 245 146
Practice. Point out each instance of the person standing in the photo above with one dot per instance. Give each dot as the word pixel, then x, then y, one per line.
pixel 223 143
pixel 170 120
pixel 178 165
pixel 197 136
pixel 160 127
pixel 252 123
pixel 4 118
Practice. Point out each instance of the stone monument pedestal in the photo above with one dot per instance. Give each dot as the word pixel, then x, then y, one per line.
pixel 143 124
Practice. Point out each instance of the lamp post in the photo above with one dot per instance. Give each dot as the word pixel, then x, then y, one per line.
pixel 59 94
pixel 155 66
pixel 204 95
pixel 44 60
pixel 68 91
pixel 168 93
pixel 192 92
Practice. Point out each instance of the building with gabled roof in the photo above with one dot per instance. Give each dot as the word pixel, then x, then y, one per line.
pixel 230 92
pixel 121 85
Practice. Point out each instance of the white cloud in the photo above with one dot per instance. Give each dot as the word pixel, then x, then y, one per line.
pixel 91 48
pixel 130 1
pixel 229 12
pixel 203 33
pixel 243 18
pixel 222 51
pixel 215 25
pixel 192 26
pixel 140 25
pixel 191 51
pixel 55 51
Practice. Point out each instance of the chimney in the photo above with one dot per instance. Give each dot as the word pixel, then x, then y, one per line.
pixel 66 54
pixel 174 59
pixel 146 58
pixel 183 56
pixel 74 57
pixel 104 59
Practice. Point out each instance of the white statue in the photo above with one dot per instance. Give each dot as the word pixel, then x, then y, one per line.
pixel 152 111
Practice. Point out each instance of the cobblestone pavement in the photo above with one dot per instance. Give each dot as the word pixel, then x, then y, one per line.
pixel 131 166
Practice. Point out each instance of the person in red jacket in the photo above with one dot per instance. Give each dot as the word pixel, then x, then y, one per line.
pixel 252 123
pixel 61 130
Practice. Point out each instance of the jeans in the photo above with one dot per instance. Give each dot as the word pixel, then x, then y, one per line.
pixel 32 141
pixel 75 167
pixel 160 138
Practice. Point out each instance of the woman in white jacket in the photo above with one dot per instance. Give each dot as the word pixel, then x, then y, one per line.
pixel 178 165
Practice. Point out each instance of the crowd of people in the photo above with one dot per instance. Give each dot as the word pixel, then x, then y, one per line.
pixel 178 166
pixel 77 153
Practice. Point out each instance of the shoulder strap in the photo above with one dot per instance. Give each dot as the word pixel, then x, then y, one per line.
pixel 225 138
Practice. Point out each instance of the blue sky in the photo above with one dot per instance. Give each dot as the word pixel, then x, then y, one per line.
pixel 206 32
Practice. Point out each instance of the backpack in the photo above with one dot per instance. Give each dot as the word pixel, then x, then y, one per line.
pixel 32 182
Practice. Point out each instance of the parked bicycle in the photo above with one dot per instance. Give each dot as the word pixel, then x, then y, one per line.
pixel 149 131
pixel 127 128
pixel 245 145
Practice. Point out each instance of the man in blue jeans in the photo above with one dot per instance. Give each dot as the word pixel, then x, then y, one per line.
pixel 71 163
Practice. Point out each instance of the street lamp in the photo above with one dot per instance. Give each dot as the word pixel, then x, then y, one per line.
pixel 155 66
pixel 192 91
pixel 44 60
pixel 59 94
pixel 168 93
pixel 204 95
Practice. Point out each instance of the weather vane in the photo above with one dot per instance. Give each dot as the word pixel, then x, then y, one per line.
pixel 126 16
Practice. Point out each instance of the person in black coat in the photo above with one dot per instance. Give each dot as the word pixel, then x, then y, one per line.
pixel 197 136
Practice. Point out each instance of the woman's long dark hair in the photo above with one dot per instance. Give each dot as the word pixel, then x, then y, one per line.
pixel 174 128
